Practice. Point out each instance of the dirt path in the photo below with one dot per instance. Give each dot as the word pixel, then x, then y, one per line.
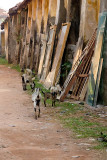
pixel 24 138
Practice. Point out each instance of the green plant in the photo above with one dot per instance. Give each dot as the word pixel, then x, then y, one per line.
pixel 66 67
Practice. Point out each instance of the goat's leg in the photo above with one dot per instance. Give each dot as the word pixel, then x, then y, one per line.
pixel 24 86
pixel 35 113
pixel 45 102
pixel 39 112
pixel 53 103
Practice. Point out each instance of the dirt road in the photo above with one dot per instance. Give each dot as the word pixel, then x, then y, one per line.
pixel 24 138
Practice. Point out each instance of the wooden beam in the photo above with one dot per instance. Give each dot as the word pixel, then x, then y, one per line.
pixel 42 53
pixel 98 81
pixel 48 54
pixel 95 63
pixel 51 78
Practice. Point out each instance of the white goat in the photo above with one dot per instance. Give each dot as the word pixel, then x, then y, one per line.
pixel 57 89
pixel 36 98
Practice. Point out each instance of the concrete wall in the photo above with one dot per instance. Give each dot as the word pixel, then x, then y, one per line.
pixel 103 82
pixel 23 29
pixel 103 6
pixel 11 41
pixel 39 16
pixel 2 43
pixel 45 11
pixel 89 17
pixel 52 11
pixel 6 40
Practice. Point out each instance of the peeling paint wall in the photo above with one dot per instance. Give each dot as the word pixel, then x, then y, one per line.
pixel 52 11
pixel 2 43
pixel 45 11
pixel 103 6
pixel 27 55
pixel 89 17
pixel 39 16
pixel 32 34
pixel 12 38
pixel 103 82
pixel 23 29
pixel 6 39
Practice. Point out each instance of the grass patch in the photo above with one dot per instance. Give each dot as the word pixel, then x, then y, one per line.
pixel 83 127
pixel 72 116
pixel 3 61
pixel 16 67
pixel 101 145
pixel 38 85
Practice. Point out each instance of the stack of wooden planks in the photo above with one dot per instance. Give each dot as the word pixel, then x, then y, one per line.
pixel 98 62
pixel 53 74
pixel 78 77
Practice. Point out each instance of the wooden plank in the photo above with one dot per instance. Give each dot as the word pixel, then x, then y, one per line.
pixel 95 65
pixel 49 50
pixel 79 67
pixel 78 51
pixel 65 92
pixel 72 81
pixel 85 70
pixel 51 78
pixel 84 90
pixel 98 81
pixel 42 53
pixel 85 51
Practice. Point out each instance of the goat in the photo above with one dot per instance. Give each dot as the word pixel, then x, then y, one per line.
pixel 48 95
pixel 36 98
pixel 57 89
pixel 28 79
pixel 28 72
pixel 23 84
pixel 32 85
pixel 54 92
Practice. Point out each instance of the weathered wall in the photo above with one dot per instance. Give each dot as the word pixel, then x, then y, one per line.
pixel 33 34
pixel 39 16
pixel 103 6
pixel 12 38
pixel 52 11
pixel 103 83
pixel 17 36
pixel 2 43
pixel 23 28
pixel 45 11
pixel 6 39
pixel 28 33
pixel 89 17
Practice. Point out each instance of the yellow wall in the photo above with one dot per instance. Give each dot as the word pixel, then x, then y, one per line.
pixel 29 14
pixel 3 42
pixel 52 8
pixel 6 39
pixel 39 15
pixel 89 17
pixel 34 7
pixel 45 10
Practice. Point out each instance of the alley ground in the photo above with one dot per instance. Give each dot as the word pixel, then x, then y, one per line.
pixel 24 138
